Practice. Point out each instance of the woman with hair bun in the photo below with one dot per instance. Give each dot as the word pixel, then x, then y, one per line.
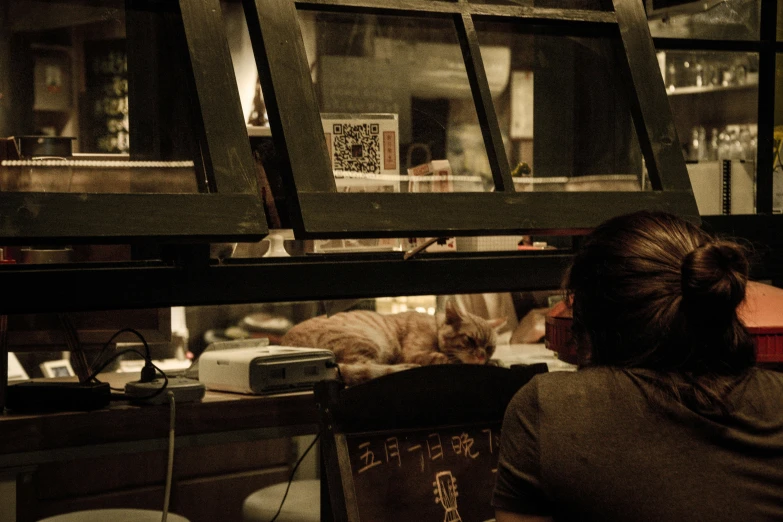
pixel 668 417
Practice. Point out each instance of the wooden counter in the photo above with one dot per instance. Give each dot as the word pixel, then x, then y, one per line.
pixel 279 415
pixel 227 446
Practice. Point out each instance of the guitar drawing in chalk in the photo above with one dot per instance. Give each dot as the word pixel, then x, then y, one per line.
pixel 446 495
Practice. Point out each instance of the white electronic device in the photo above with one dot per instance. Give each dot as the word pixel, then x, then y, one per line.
pixel 263 369
pixel 15 369
pixel 58 368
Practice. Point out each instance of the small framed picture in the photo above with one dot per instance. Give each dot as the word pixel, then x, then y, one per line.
pixel 58 368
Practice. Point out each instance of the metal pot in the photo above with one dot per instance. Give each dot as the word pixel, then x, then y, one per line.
pixel 47 255
pixel 52 146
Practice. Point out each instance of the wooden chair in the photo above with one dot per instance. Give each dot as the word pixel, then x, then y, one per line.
pixel 415 445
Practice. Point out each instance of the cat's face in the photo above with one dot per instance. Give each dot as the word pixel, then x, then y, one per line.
pixel 467 338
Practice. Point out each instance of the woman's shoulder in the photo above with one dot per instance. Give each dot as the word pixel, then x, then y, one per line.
pixel 572 388
pixel 602 375
pixel 585 377
pixel 763 387
pixel 593 386
pixel 767 377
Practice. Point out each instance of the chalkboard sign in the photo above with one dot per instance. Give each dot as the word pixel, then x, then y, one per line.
pixel 439 474
pixel 105 104
pixel 421 444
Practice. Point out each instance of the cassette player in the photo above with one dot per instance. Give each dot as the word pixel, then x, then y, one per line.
pixel 254 368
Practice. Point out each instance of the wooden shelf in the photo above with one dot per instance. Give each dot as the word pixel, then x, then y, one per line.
pixel 254 131
pixel 718 88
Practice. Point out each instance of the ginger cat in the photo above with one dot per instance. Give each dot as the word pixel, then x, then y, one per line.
pixel 368 344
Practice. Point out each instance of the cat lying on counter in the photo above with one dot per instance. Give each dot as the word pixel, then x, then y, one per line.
pixel 368 344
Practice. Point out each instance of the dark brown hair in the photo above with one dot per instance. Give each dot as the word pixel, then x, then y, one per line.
pixel 650 290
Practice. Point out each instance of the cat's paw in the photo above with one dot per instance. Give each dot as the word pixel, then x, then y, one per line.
pixel 401 367
pixel 436 358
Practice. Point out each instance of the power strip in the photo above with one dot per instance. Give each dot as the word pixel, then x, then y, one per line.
pixel 184 390
pixel 46 396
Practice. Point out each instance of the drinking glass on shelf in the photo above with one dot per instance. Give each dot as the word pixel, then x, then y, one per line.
pixel 694 147
pixel 699 79
pixel 735 149
pixel 711 146
pixel 724 145
pixel 726 75
pixel 711 73
pixel 745 140
pixel 703 145
pixel 671 77
pixel 687 77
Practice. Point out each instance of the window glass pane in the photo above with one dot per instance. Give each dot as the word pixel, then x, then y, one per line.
pixel 522 310
pixel 714 102
pixel 282 243
pixel 563 112
pixel 713 19
pixel 102 93
pixel 395 102
pixel 253 107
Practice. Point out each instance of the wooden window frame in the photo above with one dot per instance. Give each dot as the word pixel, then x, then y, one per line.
pixel 233 212
pixel 318 211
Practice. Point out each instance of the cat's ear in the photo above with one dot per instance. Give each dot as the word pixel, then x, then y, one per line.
pixel 497 323
pixel 453 315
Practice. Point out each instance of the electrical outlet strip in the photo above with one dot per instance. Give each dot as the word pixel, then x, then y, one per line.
pixel 184 390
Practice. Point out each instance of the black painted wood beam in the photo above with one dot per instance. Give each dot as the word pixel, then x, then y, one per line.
pixel 145 285
pixel 361 215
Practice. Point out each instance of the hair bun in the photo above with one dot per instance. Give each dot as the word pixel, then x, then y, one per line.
pixel 714 276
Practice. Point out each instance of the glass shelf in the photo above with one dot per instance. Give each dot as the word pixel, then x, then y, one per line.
pixel 711 88
pixel 255 131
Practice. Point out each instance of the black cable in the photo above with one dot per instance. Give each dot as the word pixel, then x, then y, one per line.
pixel 81 367
pixel 123 397
pixel 92 376
pixel 339 373
pixel 159 390
pixel 108 343
pixel 148 364
pixel 291 478
pixel 114 396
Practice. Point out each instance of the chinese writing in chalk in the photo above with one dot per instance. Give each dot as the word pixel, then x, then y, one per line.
pixel 368 457
pixel 419 449
pixel 393 450
pixel 462 445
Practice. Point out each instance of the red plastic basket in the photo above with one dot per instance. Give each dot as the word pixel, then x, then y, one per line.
pixel 557 335
pixel 761 312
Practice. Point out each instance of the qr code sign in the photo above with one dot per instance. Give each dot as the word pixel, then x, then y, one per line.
pixel 357 148
pixel 362 144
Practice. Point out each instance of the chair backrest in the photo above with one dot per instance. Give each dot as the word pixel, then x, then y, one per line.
pixel 415 445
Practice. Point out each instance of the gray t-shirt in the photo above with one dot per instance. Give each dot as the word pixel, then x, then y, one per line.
pixel 612 445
